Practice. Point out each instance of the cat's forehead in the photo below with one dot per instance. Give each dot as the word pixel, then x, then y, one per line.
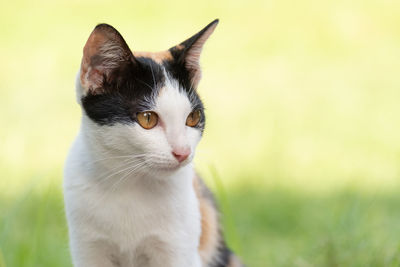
pixel 157 77
pixel 161 81
pixel 171 99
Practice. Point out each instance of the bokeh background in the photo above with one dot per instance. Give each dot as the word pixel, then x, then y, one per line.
pixel 302 144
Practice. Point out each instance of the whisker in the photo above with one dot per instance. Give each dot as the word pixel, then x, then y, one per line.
pixel 119 171
pixel 133 169
pixel 129 171
pixel 116 157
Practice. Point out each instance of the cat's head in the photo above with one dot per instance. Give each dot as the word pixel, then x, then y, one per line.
pixel 141 104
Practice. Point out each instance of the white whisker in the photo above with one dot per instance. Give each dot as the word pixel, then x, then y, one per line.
pixel 132 170
pixel 119 171
pixel 116 157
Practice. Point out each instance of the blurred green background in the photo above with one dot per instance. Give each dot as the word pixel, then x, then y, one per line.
pixel 302 143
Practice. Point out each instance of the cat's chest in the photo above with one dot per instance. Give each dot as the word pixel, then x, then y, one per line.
pixel 131 215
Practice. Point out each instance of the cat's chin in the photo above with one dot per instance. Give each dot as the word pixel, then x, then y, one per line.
pixel 173 168
pixel 169 169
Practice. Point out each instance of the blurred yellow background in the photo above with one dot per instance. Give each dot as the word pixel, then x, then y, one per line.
pixel 302 139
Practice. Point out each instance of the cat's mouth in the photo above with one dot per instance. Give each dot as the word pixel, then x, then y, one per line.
pixel 168 165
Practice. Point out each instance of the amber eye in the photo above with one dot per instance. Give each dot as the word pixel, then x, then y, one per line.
pixel 194 118
pixel 147 119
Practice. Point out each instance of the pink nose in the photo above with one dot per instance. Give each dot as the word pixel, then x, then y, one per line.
pixel 181 155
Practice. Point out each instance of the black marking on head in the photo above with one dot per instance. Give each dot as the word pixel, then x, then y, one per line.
pixel 178 71
pixel 130 91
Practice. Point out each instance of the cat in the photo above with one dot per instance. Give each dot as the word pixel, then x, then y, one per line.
pixel 132 197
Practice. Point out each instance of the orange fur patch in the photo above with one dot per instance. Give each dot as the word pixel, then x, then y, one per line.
pixel 179 47
pixel 158 57
pixel 209 224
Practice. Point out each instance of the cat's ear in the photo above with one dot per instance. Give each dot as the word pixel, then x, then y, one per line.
pixel 105 56
pixel 188 52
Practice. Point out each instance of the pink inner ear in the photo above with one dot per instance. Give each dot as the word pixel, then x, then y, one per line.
pixel 92 78
pixel 104 51
pixel 192 58
pixel 193 55
pixel 96 77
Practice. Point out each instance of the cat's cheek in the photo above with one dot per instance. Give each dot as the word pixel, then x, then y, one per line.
pixel 194 137
pixel 150 141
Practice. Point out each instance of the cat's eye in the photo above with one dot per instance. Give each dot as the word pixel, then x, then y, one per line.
pixel 194 118
pixel 147 119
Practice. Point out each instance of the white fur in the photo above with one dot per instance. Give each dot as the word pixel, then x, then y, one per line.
pixel 127 198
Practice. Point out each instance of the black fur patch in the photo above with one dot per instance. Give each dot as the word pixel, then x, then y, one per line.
pixel 133 89
pixel 223 257
pixel 128 92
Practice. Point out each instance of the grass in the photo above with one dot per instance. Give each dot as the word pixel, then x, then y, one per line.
pixel 302 130
pixel 342 229
pixel 285 228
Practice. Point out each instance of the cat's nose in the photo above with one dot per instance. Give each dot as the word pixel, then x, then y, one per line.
pixel 181 154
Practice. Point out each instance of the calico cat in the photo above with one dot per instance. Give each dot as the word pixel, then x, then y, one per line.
pixel 131 194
